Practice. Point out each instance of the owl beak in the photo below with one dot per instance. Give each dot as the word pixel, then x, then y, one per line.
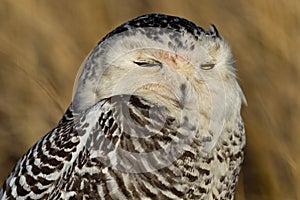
pixel 183 67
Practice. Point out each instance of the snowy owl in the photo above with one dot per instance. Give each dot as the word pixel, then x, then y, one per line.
pixel 155 115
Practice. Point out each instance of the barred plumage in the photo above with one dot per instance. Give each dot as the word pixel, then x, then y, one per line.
pixel 148 121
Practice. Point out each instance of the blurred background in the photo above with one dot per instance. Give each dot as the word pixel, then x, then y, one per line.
pixel 42 44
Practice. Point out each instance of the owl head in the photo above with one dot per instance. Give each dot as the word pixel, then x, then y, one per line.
pixel 165 59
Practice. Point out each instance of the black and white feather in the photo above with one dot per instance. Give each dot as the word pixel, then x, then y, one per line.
pixel 155 115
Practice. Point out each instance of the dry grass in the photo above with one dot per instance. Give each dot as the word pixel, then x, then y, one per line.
pixel 44 42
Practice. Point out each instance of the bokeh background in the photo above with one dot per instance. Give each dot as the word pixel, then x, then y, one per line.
pixel 42 44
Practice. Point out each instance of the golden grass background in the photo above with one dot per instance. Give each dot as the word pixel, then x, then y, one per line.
pixel 42 44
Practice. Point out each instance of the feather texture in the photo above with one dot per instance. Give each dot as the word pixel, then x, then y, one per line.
pixel 147 121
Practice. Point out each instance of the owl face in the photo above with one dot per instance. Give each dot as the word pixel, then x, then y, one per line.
pixel 162 58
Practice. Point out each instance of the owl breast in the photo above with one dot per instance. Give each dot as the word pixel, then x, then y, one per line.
pixel 161 161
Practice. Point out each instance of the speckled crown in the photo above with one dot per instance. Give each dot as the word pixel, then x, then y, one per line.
pixel 165 21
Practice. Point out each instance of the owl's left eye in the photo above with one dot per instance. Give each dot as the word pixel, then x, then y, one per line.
pixel 148 63
pixel 207 66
